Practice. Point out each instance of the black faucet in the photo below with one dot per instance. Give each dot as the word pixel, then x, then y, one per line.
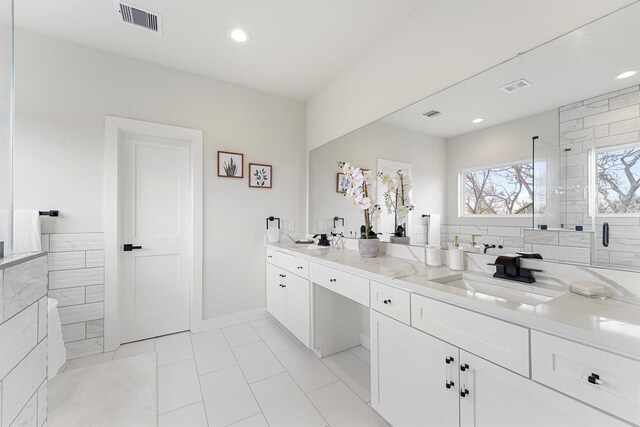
pixel 508 267
pixel 323 241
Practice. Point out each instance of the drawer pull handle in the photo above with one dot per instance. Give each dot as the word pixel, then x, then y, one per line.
pixel 269 256
pixel 332 280
pixel 464 368
pixel 387 301
pixel 449 384
pixel 283 286
pixel 594 379
pixel 300 267
pixel 464 392
pixel 448 360
pixel 282 275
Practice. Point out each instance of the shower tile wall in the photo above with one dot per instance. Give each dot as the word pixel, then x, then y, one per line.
pixel 76 280
pixel 613 119
pixel 23 334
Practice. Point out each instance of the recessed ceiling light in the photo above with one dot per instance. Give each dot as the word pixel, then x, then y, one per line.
pixel 626 74
pixel 477 120
pixel 239 35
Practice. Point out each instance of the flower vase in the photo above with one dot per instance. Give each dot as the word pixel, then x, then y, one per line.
pixel 368 247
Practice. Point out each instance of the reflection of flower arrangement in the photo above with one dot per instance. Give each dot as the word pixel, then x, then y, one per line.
pixel 358 185
pixel 397 199
pixel 260 176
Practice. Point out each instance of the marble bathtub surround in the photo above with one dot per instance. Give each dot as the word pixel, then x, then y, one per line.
pixel 76 280
pixel 611 324
pixel 23 335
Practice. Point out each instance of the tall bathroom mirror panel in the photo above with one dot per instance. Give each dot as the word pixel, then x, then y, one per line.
pixel 6 124
pixel 540 153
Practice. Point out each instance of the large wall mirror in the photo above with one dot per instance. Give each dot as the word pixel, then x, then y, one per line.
pixel 540 153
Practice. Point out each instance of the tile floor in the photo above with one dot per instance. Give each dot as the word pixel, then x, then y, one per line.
pixel 253 374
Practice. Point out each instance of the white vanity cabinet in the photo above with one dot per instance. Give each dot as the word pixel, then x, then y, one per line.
pixel 414 376
pixel 288 294
pixel 493 396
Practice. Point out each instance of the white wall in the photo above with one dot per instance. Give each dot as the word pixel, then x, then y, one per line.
pixel 441 44
pixel 363 148
pixel 493 146
pixel 64 92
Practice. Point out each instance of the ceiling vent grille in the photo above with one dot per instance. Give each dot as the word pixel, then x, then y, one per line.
pixel 431 114
pixel 139 17
pixel 515 86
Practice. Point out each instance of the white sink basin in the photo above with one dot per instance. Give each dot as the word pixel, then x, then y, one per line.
pixel 488 288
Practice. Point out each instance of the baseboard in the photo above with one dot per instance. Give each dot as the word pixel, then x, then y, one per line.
pixel 365 341
pixel 230 320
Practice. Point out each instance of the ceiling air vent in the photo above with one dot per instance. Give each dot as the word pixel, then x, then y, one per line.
pixel 431 114
pixel 139 17
pixel 515 86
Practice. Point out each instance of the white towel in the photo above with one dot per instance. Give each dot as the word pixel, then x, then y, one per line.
pixel 26 231
pixel 57 351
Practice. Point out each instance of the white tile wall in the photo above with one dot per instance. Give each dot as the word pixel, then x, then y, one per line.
pixel 76 280
pixel 23 284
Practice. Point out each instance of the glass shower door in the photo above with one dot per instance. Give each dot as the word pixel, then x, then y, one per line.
pixel 6 124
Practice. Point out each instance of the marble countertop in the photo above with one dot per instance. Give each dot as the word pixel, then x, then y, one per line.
pixel 608 324
pixel 11 260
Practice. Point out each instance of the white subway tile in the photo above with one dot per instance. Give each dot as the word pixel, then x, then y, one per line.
pixel 66 260
pixel 570 106
pixel 28 416
pixel 546 237
pixel 571 125
pixel 84 348
pixel 21 383
pixel 73 332
pixel 624 126
pixel 473 229
pixel 95 259
pixel 504 231
pixel 81 313
pixel 44 242
pixel 43 313
pixel 612 116
pixel 42 403
pixel 74 278
pixel 576 136
pixel 95 293
pixel 68 296
pixel 622 138
pixel 24 284
pixel 611 94
pixel 95 328
pixel 18 335
pixel 625 100
pixel 600 131
pixel 563 253
pixel 575 238
pixel 584 111
pixel 76 242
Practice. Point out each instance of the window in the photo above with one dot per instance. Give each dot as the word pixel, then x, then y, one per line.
pixel 501 190
pixel 618 177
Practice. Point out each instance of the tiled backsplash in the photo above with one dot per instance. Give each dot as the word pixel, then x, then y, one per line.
pixel 76 280
pixel 23 335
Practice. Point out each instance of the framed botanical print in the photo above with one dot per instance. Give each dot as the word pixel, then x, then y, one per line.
pixel 342 183
pixel 230 165
pixel 260 175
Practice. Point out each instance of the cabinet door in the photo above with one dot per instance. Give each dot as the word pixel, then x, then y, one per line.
pixel 276 293
pixel 298 307
pixel 410 374
pixel 492 396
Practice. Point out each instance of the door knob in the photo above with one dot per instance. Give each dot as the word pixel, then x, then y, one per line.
pixel 128 247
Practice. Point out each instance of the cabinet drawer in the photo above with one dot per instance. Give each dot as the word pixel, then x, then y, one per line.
pixel 271 255
pixel 503 343
pixel 348 285
pixel 391 301
pixel 571 368
pixel 293 264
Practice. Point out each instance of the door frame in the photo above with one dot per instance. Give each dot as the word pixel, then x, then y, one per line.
pixel 115 128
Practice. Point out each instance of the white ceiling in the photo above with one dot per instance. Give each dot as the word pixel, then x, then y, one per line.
pixel 296 46
pixel 574 67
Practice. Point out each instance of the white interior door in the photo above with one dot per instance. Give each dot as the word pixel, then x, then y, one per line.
pixel 155 216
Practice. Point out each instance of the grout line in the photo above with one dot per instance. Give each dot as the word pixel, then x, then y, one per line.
pixel 182 407
pixel 345 383
pixel 326 385
pixel 193 352
pixel 245 377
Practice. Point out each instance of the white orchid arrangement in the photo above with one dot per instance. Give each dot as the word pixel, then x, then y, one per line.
pixel 360 184
pixel 397 198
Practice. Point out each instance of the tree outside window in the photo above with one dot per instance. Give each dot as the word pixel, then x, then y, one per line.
pixel 618 176
pixel 504 190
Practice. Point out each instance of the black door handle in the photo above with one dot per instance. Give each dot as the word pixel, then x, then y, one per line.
pixel 449 384
pixel 605 234
pixel 128 247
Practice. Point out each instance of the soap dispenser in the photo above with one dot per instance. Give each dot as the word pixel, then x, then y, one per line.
pixel 456 255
